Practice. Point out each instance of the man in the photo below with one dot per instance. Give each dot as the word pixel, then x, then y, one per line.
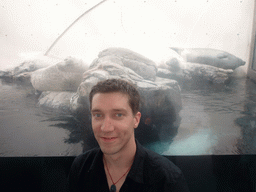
pixel 121 163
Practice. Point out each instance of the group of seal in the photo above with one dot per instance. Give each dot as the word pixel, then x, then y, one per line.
pixel 66 85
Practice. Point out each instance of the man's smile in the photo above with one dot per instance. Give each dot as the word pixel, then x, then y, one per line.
pixel 108 139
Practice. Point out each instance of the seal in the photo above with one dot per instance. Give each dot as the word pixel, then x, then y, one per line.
pixel 213 57
pixel 63 76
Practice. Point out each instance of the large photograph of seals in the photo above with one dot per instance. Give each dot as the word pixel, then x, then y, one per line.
pixel 187 59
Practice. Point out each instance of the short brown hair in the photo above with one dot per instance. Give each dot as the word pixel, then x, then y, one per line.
pixel 118 85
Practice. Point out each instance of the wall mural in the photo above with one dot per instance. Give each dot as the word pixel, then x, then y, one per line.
pixel 193 102
pixel 173 95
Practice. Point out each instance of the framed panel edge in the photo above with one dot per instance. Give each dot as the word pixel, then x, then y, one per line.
pixel 251 73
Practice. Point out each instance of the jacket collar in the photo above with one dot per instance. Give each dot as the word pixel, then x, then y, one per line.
pixel 137 172
pixel 97 165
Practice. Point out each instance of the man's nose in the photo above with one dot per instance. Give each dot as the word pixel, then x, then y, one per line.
pixel 107 125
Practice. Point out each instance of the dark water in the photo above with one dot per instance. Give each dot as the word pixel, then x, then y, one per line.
pixel 214 120
pixel 27 130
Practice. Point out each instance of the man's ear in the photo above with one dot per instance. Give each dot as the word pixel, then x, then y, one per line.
pixel 137 117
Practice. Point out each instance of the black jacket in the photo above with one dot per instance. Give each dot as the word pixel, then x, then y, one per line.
pixel 149 172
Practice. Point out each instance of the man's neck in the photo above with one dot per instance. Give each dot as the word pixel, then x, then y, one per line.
pixel 121 160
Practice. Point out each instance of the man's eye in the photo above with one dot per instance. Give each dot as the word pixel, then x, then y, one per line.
pixel 97 115
pixel 119 114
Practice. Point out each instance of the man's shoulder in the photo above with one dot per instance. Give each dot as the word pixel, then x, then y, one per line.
pixel 163 172
pixel 86 156
pixel 89 153
pixel 157 160
pixel 80 167
pixel 159 166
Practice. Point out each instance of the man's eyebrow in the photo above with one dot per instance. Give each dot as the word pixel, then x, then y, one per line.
pixel 115 110
pixel 95 110
pixel 124 111
pixel 119 109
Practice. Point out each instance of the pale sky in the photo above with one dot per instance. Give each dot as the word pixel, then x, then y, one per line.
pixel 29 27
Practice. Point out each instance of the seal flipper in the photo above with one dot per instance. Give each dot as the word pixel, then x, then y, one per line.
pixel 222 56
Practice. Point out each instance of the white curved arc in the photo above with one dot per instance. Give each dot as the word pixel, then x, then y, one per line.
pixel 87 11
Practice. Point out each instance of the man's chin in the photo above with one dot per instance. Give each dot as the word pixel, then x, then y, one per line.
pixel 108 151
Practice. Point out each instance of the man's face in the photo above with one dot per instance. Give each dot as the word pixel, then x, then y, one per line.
pixel 113 122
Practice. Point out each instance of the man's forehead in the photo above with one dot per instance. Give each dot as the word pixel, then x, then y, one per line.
pixel 114 98
pixel 111 94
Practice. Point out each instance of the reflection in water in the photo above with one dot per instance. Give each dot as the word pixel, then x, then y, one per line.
pixel 24 131
pixel 214 120
pixel 79 130
pixel 196 144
